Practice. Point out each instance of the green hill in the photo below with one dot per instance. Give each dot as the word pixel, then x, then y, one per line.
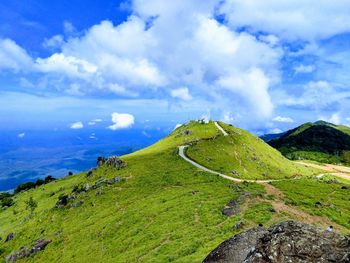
pixel 320 141
pixel 243 155
pixel 158 208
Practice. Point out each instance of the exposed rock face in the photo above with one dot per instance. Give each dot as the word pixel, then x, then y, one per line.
pixel 27 252
pixel 233 207
pixel 113 161
pixel 289 241
pixel 236 248
pixel 9 237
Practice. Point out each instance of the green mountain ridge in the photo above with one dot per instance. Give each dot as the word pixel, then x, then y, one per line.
pixel 160 208
pixel 319 141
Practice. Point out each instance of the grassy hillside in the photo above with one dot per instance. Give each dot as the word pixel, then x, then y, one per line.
pixel 325 197
pixel 164 209
pixel 320 141
pixel 243 155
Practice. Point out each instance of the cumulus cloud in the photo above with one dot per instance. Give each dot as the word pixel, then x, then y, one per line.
pixel 121 121
pixel 304 69
pixel 177 49
pixel 177 126
pixel 318 95
pixel 257 93
pixel 275 131
pixel 13 57
pixel 291 19
pixel 283 119
pixel 77 125
pixel 181 93
pixel 139 58
pixel 21 135
pixel 335 118
pixel 94 121
pixel 54 42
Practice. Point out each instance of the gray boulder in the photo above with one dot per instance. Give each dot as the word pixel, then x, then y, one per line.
pixel 115 162
pixel 289 241
pixel 9 237
pixel 236 249
pixel 24 252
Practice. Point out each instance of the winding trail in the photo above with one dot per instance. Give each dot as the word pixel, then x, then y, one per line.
pixel 220 128
pixel 279 203
pixel 203 168
pixel 339 171
pixel 335 170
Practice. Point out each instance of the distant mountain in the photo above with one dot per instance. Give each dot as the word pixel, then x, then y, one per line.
pixel 271 136
pixel 320 141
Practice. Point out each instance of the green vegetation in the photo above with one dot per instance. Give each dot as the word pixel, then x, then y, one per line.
pixel 320 141
pixel 6 200
pixel 259 213
pixel 163 210
pixel 318 197
pixel 244 156
pixel 30 185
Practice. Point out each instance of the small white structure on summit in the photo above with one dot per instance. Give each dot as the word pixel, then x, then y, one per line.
pixel 204 120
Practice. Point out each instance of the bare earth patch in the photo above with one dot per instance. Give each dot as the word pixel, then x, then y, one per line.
pixel 295 213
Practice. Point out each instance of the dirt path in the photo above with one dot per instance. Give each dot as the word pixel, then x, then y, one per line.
pixel 295 213
pixel 203 168
pixel 336 170
pixel 221 129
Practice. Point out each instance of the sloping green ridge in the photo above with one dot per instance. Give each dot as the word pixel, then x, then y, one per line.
pixel 320 141
pixel 165 210
pixel 243 155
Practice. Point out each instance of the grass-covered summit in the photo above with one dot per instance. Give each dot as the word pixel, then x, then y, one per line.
pixel 243 155
pixel 319 141
pixel 157 208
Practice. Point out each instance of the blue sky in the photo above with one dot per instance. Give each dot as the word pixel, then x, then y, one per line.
pixel 266 66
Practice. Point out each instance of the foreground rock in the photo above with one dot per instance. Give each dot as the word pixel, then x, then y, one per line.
pixel 113 161
pixel 27 252
pixel 288 241
pixel 236 248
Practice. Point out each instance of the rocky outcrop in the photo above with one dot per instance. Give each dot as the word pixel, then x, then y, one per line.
pixel 27 252
pixel 113 161
pixel 289 241
pixel 233 207
pixel 236 248
pixel 9 237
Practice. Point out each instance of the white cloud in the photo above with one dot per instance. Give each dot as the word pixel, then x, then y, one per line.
pixel 121 121
pixel 304 69
pixel 68 65
pixel 54 42
pixel 253 86
pixel 290 19
pixel 317 95
pixel 177 126
pixel 275 131
pixel 93 122
pixel 184 46
pixel 335 118
pixel 21 135
pixel 93 136
pixel 13 57
pixel 227 117
pixel 181 93
pixel 77 125
pixel 283 119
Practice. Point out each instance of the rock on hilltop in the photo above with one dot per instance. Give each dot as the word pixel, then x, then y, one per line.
pixel 289 241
